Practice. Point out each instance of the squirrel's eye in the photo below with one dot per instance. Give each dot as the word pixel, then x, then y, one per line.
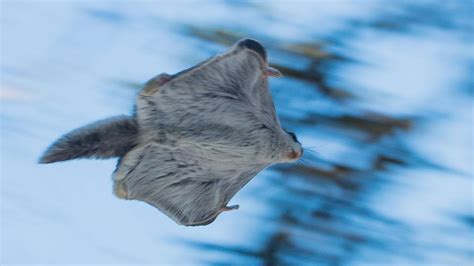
pixel 293 135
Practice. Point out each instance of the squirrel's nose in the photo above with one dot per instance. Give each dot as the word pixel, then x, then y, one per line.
pixel 254 46
pixel 295 154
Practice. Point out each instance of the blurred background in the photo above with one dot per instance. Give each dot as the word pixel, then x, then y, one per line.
pixel 380 93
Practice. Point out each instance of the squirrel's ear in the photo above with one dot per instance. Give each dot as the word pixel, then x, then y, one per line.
pixel 112 137
pixel 153 84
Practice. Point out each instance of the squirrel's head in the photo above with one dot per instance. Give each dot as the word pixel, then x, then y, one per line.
pixel 284 147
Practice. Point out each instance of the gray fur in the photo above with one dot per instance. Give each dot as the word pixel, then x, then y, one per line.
pixel 202 135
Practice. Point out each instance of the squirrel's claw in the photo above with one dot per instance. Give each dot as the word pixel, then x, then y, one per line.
pixel 230 208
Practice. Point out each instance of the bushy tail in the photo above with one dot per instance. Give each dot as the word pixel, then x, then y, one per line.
pixel 107 138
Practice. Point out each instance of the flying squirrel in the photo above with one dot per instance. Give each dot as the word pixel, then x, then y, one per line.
pixel 195 139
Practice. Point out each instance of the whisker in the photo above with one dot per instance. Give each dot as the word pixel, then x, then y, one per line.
pixel 312 153
pixel 305 161
pixel 311 150
pixel 310 147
